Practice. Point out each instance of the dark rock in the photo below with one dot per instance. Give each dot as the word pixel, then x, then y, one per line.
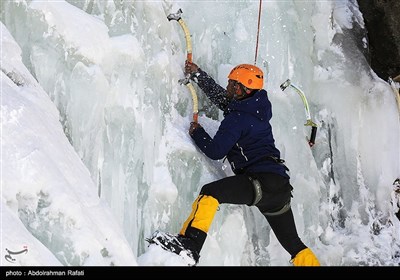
pixel 381 18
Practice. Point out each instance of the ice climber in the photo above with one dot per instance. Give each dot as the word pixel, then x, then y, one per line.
pixel 261 180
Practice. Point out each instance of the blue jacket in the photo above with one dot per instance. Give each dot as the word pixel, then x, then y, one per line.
pixel 244 136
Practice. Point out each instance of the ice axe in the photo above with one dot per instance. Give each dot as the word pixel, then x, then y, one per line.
pixel 186 81
pixel 309 122
pixel 178 18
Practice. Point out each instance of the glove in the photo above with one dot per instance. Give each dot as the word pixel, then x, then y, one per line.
pixel 190 68
pixel 193 127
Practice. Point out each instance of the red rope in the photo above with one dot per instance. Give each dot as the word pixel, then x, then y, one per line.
pixel 258 31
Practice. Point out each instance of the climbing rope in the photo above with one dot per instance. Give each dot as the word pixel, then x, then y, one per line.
pixel 258 31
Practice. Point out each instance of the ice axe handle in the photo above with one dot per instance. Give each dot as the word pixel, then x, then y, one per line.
pixel 311 142
pixel 189 57
pixel 196 117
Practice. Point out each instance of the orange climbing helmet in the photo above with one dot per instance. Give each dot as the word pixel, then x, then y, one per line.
pixel 248 75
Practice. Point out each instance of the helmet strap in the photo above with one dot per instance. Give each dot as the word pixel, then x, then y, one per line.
pixel 247 90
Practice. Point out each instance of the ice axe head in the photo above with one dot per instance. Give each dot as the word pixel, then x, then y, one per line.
pixel 176 16
pixel 285 84
pixel 185 80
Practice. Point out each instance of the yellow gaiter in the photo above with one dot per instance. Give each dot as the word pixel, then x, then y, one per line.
pixel 305 258
pixel 202 215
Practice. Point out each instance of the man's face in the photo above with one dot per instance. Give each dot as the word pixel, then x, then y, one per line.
pixel 235 91
pixel 231 88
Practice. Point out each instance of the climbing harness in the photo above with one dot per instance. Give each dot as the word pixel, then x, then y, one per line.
pixel 271 158
pixel 284 209
pixel 186 81
pixel 257 190
pixel 258 196
pixel 309 122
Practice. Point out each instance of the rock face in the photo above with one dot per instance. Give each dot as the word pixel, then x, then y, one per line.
pixel 381 18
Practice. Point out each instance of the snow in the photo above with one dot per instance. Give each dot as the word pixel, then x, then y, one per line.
pixel 95 153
